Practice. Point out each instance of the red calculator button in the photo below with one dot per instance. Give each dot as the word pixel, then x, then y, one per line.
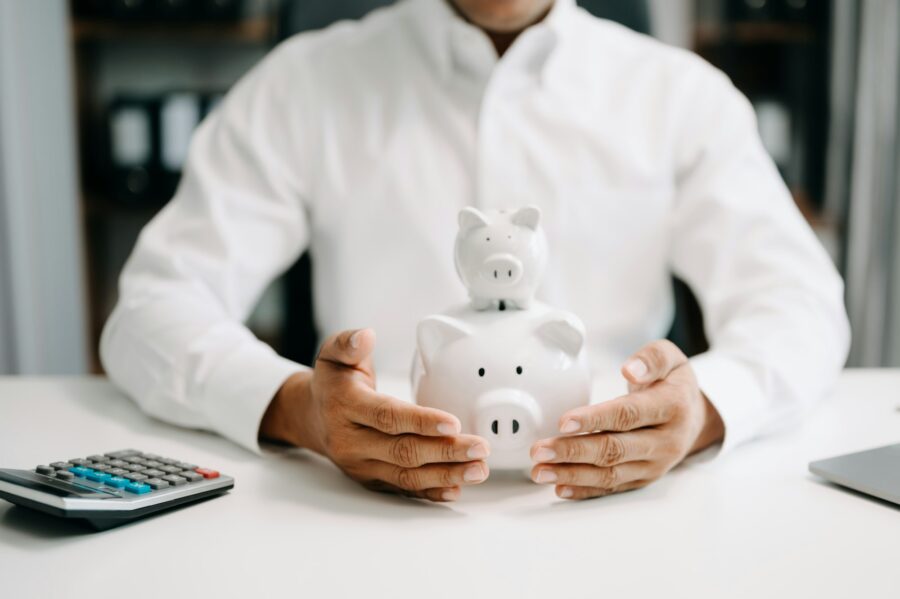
pixel 207 473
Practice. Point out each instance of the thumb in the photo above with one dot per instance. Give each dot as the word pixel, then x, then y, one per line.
pixel 352 349
pixel 653 362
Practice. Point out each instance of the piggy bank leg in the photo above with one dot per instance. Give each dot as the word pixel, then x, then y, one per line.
pixel 481 303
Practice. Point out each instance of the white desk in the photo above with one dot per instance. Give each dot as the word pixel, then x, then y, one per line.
pixel 752 524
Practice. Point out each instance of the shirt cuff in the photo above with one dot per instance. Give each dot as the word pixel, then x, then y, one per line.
pixel 734 390
pixel 240 389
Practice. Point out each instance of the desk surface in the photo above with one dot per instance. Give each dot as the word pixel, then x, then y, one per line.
pixel 750 524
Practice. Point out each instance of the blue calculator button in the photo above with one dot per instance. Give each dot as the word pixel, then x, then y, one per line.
pixel 137 488
pixel 80 471
pixel 116 481
pixel 97 477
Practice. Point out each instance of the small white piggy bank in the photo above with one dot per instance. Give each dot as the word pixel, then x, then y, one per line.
pixel 508 376
pixel 500 256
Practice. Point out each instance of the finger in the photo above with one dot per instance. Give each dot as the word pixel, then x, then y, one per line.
pixel 411 451
pixel 394 417
pixel 583 475
pixel 431 476
pixel 635 410
pixel 653 362
pixel 436 494
pixel 351 348
pixel 601 449
pixel 572 492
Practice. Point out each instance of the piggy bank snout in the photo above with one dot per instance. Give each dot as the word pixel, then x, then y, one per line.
pixel 502 269
pixel 507 418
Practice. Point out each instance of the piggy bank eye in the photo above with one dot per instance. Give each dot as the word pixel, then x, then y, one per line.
pixel 481 372
pixel 518 370
pixel 487 238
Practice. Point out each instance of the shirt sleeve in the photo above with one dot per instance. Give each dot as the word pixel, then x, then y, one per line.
pixel 771 298
pixel 175 341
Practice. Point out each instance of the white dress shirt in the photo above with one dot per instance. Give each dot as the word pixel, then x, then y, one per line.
pixel 362 142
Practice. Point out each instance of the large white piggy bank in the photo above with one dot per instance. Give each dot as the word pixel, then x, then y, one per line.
pixel 508 376
pixel 500 256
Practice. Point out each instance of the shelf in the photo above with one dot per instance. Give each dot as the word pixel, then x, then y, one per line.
pixel 258 30
pixel 715 34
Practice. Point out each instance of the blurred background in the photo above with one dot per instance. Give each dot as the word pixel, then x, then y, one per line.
pixel 98 99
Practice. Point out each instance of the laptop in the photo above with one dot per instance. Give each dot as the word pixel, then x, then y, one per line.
pixel 875 472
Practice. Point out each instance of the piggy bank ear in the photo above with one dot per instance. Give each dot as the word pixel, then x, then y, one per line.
pixel 436 332
pixel 529 216
pixel 563 331
pixel 470 218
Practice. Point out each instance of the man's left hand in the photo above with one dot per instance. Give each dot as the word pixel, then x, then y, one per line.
pixel 632 440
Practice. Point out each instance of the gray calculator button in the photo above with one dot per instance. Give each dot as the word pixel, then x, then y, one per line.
pixel 101 467
pixel 117 471
pixel 191 476
pixel 136 476
pixel 150 456
pixel 175 480
pixel 99 459
pixel 153 464
pixel 156 483
pixel 134 459
pixel 118 455
pixel 80 462
pixel 45 470
pixel 167 461
pixel 61 465
pixel 153 472
pixel 170 469
pixel 118 463
pixel 64 475
pixel 135 467
pixel 185 465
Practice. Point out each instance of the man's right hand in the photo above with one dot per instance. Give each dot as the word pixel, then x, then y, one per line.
pixel 382 442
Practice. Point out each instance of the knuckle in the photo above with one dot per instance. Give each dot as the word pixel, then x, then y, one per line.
pixel 573 451
pixel 611 450
pixel 404 451
pixel 448 451
pixel 407 478
pixel 655 355
pixel 626 416
pixel 608 478
pixel 448 478
pixel 384 416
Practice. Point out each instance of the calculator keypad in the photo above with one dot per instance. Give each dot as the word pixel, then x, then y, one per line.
pixel 128 470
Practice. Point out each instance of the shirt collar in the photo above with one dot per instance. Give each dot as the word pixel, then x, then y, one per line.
pixel 455 46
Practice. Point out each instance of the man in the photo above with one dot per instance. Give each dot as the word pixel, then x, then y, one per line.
pixel 364 140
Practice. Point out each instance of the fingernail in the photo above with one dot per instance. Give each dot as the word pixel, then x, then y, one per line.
pixel 569 426
pixel 637 369
pixel 450 495
pixel 474 474
pixel 354 339
pixel 477 452
pixel 545 476
pixel 566 492
pixel 446 428
pixel 544 454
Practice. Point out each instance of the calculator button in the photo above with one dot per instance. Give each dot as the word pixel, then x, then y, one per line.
pixel 118 472
pixel 62 465
pixel 153 464
pixel 101 467
pixel 190 475
pixel 175 480
pixel 124 453
pixel 64 475
pixel 118 463
pixel 156 483
pixel 45 470
pixel 150 456
pixel 170 469
pixel 185 465
pixel 136 476
pixel 97 477
pixel 80 462
pixel 135 467
pixel 207 472
pixel 137 488
pixel 116 481
pixel 154 473
pixel 80 471
pixel 100 459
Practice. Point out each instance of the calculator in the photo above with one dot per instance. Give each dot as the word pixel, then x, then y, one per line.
pixel 113 488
